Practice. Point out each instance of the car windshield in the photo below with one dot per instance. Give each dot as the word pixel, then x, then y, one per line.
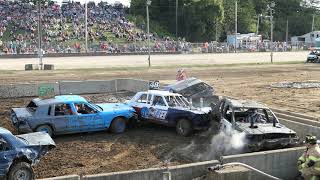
pixel 255 115
pixel 177 101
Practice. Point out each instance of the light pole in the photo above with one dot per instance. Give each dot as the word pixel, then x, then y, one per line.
pixel 86 24
pixel 40 54
pixel 148 31
pixel 258 23
pixel 269 7
pixel 177 19
pixel 236 26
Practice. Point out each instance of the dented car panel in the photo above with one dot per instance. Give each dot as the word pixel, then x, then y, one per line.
pixel 27 147
pixel 63 116
pixel 262 133
pixel 166 113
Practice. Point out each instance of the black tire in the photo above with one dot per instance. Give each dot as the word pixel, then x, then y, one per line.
pixel 21 170
pixel 118 125
pixel 184 127
pixel 45 128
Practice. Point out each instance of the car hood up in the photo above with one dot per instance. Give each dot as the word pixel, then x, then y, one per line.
pixel 38 139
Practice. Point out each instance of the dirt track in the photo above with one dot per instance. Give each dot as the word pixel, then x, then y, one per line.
pixel 156 60
pixel 105 152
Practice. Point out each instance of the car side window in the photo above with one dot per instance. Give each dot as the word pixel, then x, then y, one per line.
pixel 63 110
pixel 158 101
pixel 4 146
pixel 142 99
pixel 83 108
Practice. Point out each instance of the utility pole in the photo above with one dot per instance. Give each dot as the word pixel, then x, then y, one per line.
pixel 148 31
pixel 287 32
pixel 40 54
pixel 312 28
pixel 270 6
pixel 236 25
pixel 176 19
pixel 258 23
pixel 86 24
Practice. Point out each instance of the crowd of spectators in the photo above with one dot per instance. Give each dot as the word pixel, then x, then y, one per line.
pixel 63 30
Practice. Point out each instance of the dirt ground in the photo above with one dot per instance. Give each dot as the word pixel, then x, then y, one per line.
pixel 147 145
pixel 156 60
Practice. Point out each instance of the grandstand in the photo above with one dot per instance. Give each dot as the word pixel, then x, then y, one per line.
pixel 63 28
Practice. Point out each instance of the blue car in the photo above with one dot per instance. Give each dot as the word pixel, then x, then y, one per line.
pixel 71 114
pixel 19 153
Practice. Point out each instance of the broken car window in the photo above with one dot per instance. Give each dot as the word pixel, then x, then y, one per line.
pixel 32 106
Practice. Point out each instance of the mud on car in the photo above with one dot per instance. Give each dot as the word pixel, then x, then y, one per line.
pixel 170 109
pixel 262 129
pixel 71 114
pixel 19 153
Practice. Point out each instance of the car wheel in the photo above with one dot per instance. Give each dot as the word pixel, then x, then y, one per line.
pixel 184 127
pixel 118 125
pixel 21 171
pixel 45 128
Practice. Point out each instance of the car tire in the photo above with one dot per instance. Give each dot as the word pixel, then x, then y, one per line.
pixel 184 127
pixel 45 128
pixel 21 170
pixel 118 125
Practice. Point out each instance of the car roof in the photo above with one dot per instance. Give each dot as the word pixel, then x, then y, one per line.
pixel 161 93
pixel 4 131
pixel 178 86
pixel 60 99
pixel 245 104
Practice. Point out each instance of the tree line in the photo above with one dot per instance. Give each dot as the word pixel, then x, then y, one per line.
pixel 213 20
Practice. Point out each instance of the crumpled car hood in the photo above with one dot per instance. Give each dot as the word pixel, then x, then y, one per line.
pixel 265 129
pixel 38 139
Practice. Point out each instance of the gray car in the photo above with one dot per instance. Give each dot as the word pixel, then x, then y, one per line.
pixel 262 128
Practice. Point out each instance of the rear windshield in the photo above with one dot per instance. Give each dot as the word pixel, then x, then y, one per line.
pixel 32 106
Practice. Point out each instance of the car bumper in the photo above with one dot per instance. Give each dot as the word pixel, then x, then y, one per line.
pixel 269 144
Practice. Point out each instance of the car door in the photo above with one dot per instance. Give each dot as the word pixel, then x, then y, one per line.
pixel 158 110
pixel 89 117
pixel 141 102
pixel 64 119
pixel 7 154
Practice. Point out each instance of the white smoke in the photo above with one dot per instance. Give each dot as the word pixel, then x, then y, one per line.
pixel 210 148
pixel 224 143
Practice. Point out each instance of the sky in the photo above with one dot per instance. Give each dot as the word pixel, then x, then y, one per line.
pixel 124 2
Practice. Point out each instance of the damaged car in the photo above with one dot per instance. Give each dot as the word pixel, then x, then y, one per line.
pixel 262 129
pixel 170 109
pixel 19 153
pixel 197 91
pixel 68 114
